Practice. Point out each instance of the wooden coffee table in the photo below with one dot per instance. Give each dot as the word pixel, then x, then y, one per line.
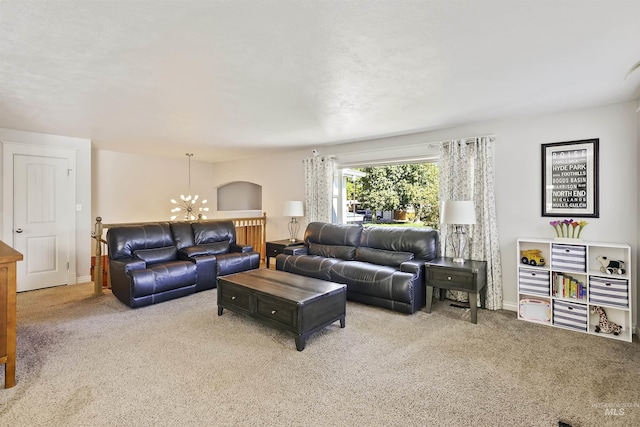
pixel 297 304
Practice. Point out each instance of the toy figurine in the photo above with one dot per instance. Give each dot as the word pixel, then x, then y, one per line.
pixel 609 266
pixel 604 325
pixel 532 257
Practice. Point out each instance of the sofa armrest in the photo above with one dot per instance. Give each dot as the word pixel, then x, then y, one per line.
pixel 240 248
pixel 414 267
pixel 206 272
pixel 191 253
pixel 206 266
pixel 296 250
pixel 120 276
pixel 124 266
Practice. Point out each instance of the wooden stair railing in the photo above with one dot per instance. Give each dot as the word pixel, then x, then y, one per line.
pixel 250 231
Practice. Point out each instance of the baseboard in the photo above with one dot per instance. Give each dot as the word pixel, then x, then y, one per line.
pixel 509 306
pixel 83 279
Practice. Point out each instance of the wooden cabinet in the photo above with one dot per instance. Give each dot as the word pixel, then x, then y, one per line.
pixel 8 259
pixel 562 283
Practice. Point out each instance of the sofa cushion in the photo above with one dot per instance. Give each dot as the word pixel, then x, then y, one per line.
pixel 307 265
pixel 215 248
pixel 235 262
pixel 161 278
pixel 157 255
pixel 421 241
pixel 213 232
pixel 332 251
pixel 123 240
pixel 206 249
pixel 332 234
pixel 375 280
pixel 382 257
pixel 182 234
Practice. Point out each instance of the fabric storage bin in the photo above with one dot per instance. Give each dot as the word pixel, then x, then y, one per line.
pixel 569 257
pixel 570 315
pixel 532 281
pixel 609 291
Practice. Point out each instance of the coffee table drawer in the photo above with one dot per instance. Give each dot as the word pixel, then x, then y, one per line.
pixel 449 278
pixel 275 310
pixel 236 296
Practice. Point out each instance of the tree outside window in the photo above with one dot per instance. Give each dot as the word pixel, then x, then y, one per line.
pixel 400 188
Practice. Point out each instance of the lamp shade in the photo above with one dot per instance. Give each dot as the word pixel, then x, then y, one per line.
pixel 293 208
pixel 458 212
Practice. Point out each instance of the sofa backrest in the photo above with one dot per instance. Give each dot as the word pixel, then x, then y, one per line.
pixel 156 239
pixel 216 236
pixel 332 240
pixel 399 243
pixel 182 234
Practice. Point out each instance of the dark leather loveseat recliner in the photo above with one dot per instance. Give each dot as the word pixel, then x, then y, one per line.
pixel 382 266
pixel 152 263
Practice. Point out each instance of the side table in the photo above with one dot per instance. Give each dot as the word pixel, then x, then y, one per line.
pixel 277 247
pixel 469 276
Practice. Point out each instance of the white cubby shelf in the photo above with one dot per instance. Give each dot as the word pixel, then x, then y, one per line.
pixel 562 281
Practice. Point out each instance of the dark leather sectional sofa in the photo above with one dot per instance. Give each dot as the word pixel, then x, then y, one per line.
pixel 382 266
pixel 157 262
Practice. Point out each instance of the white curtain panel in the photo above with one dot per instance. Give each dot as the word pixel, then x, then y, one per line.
pixel 466 173
pixel 318 182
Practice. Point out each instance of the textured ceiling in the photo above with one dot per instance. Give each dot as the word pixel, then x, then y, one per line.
pixel 227 79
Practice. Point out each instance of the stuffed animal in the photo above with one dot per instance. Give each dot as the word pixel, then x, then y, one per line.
pixel 604 325
pixel 609 266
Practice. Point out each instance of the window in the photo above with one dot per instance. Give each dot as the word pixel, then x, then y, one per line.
pixel 390 194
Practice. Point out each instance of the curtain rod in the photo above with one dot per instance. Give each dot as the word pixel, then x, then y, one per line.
pixel 431 144
pixel 493 135
pixel 316 156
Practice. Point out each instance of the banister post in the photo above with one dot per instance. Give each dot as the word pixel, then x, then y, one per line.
pixel 97 289
pixel 263 243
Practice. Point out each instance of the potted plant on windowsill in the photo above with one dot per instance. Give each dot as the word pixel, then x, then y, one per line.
pixel 406 194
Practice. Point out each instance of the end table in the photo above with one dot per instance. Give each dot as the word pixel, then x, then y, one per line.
pixel 277 247
pixel 469 276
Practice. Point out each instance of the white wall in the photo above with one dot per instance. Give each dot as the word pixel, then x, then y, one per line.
pixel 138 188
pixel 518 177
pixel 281 177
pixel 135 188
pixel 637 201
pixel 83 189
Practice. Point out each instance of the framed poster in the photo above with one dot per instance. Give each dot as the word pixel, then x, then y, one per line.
pixel 570 179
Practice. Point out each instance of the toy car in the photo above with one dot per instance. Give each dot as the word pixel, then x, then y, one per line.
pixel 532 257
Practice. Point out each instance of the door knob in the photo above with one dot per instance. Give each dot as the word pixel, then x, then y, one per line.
pixel 19 230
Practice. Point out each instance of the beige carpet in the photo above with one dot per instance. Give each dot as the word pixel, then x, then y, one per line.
pixel 91 361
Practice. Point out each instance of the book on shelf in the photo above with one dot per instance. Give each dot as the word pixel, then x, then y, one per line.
pixel 565 286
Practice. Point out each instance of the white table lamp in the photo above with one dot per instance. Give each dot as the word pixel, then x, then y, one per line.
pixel 458 213
pixel 293 208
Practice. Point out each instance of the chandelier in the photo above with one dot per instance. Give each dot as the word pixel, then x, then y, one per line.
pixel 189 204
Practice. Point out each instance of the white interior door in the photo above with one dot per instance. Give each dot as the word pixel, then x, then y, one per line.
pixel 42 214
